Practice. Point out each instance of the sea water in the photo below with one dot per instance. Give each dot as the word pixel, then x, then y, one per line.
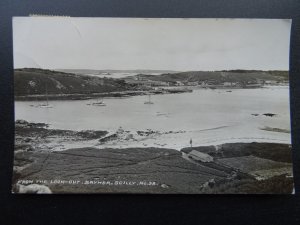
pixel 206 116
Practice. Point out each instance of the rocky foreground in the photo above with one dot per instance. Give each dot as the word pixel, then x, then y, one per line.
pixel 236 168
pixel 91 170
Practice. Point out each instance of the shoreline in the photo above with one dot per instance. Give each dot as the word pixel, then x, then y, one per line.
pixel 118 94
pixel 60 139
pixel 145 170
pixel 127 93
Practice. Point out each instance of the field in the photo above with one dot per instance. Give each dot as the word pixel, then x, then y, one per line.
pixel 143 170
pixel 258 167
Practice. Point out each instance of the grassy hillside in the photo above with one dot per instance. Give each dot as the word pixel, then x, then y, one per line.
pixel 38 81
pixel 218 77
pixel 271 151
pixel 32 81
pixel 89 71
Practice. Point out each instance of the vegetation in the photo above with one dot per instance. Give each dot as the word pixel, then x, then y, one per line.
pixel 219 77
pixel 274 185
pixel 33 81
pixel 273 151
pixel 30 81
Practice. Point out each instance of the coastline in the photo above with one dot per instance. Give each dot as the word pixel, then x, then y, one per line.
pixel 116 94
pixel 146 170
pixel 131 93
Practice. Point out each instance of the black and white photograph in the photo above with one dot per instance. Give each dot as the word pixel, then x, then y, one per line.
pixel 151 105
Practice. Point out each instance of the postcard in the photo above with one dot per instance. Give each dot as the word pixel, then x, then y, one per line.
pixel 151 105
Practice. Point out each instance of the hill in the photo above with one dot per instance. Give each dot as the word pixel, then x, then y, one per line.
pixel 98 72
pixel 31 81
pixel 219 77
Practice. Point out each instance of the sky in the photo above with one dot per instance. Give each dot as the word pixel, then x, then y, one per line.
pixel 158 44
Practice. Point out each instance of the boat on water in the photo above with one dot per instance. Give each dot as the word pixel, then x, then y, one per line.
pixel 46 104
pixel 149 100
pixel 98 103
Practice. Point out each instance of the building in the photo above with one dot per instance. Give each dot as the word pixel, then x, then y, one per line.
pixel 229 84
pixel 179 83
pixel 195 83
pixel 199 156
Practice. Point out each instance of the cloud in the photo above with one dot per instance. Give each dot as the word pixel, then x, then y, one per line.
pixel 136 43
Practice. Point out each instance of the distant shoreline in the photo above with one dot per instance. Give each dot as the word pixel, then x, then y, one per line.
pixel 124 94
pixel 118 94
pixel 38 84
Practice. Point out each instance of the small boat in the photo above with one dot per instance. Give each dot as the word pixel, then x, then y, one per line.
pixel 98 103
pixel 44 105
pixel 149 100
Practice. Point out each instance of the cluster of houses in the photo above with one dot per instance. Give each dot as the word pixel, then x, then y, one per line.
pixel 149 83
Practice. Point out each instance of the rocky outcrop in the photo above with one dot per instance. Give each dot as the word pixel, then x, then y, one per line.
pixel 37 137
